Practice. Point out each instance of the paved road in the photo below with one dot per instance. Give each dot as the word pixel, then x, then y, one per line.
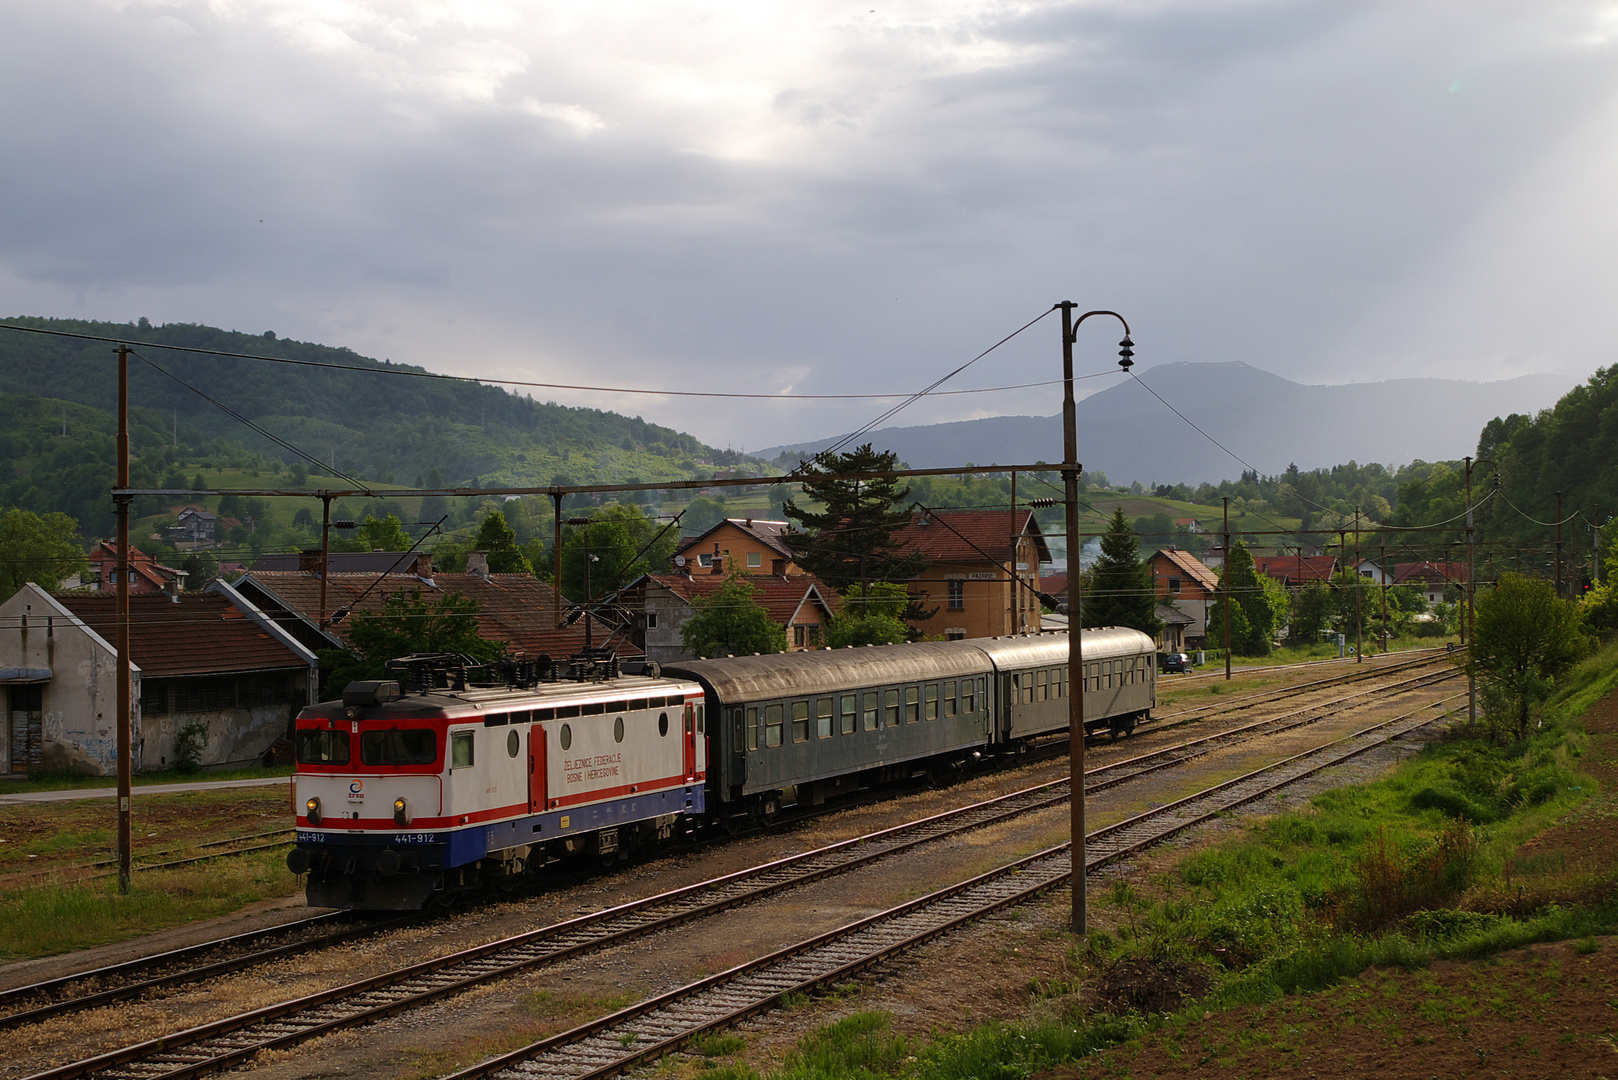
pixel 143 789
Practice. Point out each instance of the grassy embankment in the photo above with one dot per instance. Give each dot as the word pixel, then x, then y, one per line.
pixel 1426 865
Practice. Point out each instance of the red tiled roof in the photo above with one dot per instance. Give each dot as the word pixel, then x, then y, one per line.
pixel 1296 569
pixel 203 634
pixel 1191 566
pixel 970 536
pixel 140 563
pixel 515 608
pixel 1440 573
pixel 781 596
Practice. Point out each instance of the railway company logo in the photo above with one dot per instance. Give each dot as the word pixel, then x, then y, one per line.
pixel 356 789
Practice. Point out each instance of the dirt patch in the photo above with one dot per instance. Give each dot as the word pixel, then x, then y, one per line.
pixel 1139 984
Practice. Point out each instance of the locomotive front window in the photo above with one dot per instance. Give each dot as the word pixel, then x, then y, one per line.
pixel 317 746
pixel 823 715
pixel 800 721
pixel 772 725
pixel 400 746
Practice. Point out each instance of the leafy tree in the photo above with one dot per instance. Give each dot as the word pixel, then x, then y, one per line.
pixel 1311 615
pixel 1120 591
pixel 730 622
pixel 624 544
pixel 851 539
pixel 500 542
pixel 702 514
pixel 1250 597
pixel 43 550
pixel 200 568
pixel 871 616
pixel 1524 637
pixel 408 624
pixel 373 535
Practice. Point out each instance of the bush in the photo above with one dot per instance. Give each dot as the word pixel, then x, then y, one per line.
pixel 190 742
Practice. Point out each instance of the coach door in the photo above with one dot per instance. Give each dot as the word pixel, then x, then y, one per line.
pixel 536 769
pixel 690 742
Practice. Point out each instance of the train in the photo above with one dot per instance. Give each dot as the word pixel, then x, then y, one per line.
pixel 454 777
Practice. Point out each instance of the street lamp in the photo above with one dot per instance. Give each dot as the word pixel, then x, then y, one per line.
pixel 1075 611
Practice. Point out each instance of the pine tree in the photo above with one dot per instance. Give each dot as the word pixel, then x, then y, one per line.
pixel 851 540
pixel 500 542
pixel 1252 625
pixel 1119 590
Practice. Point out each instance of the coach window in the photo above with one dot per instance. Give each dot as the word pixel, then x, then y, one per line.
pixel 800 721
pixel 823 715
pixel 1040 687
pixel 460 750
pixel 912 704
pixel 949 699
pixel 752 728
pixel 850 708
pixel 1028 688
pixel 772 725
pixel 868 714
pixel 929 699
pixel 890 703
pixel 737 737
pixel 982 693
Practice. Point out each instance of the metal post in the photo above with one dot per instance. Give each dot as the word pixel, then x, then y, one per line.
pixel 1075 623
pixel 1224 577
pixel 556 557
pixel 1359 621
pixel 125 677
pixel 325 556
pixel 1471 589
pixel 1559 593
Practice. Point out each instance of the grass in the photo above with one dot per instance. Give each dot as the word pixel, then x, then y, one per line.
pixel 54 918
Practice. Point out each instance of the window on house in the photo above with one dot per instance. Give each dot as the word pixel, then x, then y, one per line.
pixel 957 594
pixel 814 635
pixel 755 559
pixel 1174 584
pixel 651 620
pixel 954 635
pixel 705 560
pixel 800 636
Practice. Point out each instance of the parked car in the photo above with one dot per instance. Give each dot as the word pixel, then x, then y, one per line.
pixel 1173 662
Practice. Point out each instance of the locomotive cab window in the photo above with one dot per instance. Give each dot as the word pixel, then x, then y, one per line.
pixel 406 746
pixel 460 750
pixel 317 746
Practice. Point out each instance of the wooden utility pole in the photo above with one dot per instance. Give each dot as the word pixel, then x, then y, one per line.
pixel 126 705
pixel 1382 571
pixel 1471 589
pixel 1359 622
pixel 1560 595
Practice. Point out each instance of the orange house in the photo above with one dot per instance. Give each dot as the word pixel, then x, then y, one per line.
pixel 745 545
pixel 982 571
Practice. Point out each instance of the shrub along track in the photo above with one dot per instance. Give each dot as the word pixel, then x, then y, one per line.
pixel 418 984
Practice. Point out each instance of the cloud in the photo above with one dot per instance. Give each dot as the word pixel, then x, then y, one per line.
pixel 818 196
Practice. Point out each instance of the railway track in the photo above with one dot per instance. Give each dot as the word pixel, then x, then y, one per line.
pixel 228 1042
pixel 653 1028
pixel 1264 697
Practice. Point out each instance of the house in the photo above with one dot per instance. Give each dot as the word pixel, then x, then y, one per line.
pixel 1373 572
pixel 742 545
pixel 1176 626
pixel 196 528
pixel 1189 525
pixel 1297 572
pixel 208 658
pixel 801 604
pixel 1432 578
pixel 146 574
pixel 1185 583
pixel 982 572
pixel 518 609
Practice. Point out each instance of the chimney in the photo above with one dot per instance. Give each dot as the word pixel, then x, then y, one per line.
pixel 718 562
pixel 477 564
pixel 309 559
pixel 749 523
pixel 778 567
pixel 424 565
pixel 172 587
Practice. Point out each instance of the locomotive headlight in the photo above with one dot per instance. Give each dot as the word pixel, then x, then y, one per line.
pixel 401 812
pixel 312 809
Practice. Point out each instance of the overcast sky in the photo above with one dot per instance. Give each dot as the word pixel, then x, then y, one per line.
pixel 825 197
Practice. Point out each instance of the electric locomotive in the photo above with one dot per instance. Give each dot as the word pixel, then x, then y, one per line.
pixel 407 795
